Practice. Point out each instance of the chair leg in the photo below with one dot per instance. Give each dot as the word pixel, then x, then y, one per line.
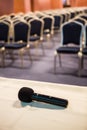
pixel 21 56
pixel 53 41
pixel 3 58
pixel 36 46
pixel 42 47
pixel 55 57
pixel 80 64
pixel 30 58
pixel 48 38
pixel 60 63
pixel 11 53
pixel 28 49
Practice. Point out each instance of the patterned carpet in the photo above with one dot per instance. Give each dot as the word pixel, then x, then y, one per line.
pixel 41 68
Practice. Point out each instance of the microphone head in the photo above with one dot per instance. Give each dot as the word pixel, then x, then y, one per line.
pixel 25 94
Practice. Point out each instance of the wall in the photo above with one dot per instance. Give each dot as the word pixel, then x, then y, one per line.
pixel 55 4
pixel 19 6
pixel 78 3
pixel 9 6
pixel 27 5
pixel 42 5
pixel 6 7
pixel 81 2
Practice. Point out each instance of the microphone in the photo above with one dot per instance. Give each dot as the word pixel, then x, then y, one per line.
pixel 27 95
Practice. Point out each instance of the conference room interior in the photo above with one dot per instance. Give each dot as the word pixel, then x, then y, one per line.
pixel 42 66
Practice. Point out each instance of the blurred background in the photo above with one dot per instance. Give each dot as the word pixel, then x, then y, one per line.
pixel 9 6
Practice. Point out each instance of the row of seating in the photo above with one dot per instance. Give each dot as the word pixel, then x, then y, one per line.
pixel 32 27
pixel 58 16
pixel 23 29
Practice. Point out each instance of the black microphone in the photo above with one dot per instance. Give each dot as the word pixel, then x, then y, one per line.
pixel 27 95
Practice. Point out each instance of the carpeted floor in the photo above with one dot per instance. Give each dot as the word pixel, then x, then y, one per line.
pixel 41 68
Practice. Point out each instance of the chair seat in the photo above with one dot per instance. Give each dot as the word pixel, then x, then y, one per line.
pixel 34 38
pixel 56 28
pixel 2 45
pixel 46 32
pixel 15 45
pixel 68 50
pixel 84 51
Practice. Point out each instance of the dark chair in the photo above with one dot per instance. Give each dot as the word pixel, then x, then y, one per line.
pixel 48 27
pixel 64 18
pixel 2 52
pixel 72 14
pixel 36 32
pixel 3 17
pixel 83 52
pixel 19 42
pixel 29 16
pixel 80 20
pixel 71 40
pixel 84 16
pixel 57 22
pixel 67 16
pixel 4 33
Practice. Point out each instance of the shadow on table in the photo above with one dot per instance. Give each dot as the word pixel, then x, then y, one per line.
pixel 36 104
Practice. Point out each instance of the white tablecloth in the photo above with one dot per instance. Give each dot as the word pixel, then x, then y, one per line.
pixel 15 115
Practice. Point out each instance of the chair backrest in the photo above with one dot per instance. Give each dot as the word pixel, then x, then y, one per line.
pixel 36 27
pixel 63 18
pixel 67 16
pixel 57 21
pixel 72 33
pixel 48 23
pixel 85 36
pixel 28 17
pixel 72 14
pixel 84 16
pixel 81 20
pixel 4 31
pixel 21 31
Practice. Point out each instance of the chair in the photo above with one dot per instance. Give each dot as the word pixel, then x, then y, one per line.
pixel 81 20
pixel 48 27
pixel 2 50
pixel 84 16
pixel 83 52
pixel 64 18
pixel 71 40
pixel 36 32
pixel 57 22
pixel 4 32
pixel 19 41
pixel 29 16
pixel 72 14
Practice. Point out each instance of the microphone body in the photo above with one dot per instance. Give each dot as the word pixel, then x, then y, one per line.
pixel 27 95
pixel 49 99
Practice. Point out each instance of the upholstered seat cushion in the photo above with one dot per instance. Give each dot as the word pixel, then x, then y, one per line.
pixel 15 45
pixel 34 38
pixel 56 28
pixel 84 51
pixel 70 50
pixel 2 45
pixel 46 32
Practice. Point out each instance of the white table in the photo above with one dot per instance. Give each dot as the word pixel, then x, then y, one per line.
pixel 15 115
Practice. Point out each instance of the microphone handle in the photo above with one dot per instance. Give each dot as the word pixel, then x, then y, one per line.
pixel 49 99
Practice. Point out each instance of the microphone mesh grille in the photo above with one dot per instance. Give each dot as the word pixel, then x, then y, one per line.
pixel 25 94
